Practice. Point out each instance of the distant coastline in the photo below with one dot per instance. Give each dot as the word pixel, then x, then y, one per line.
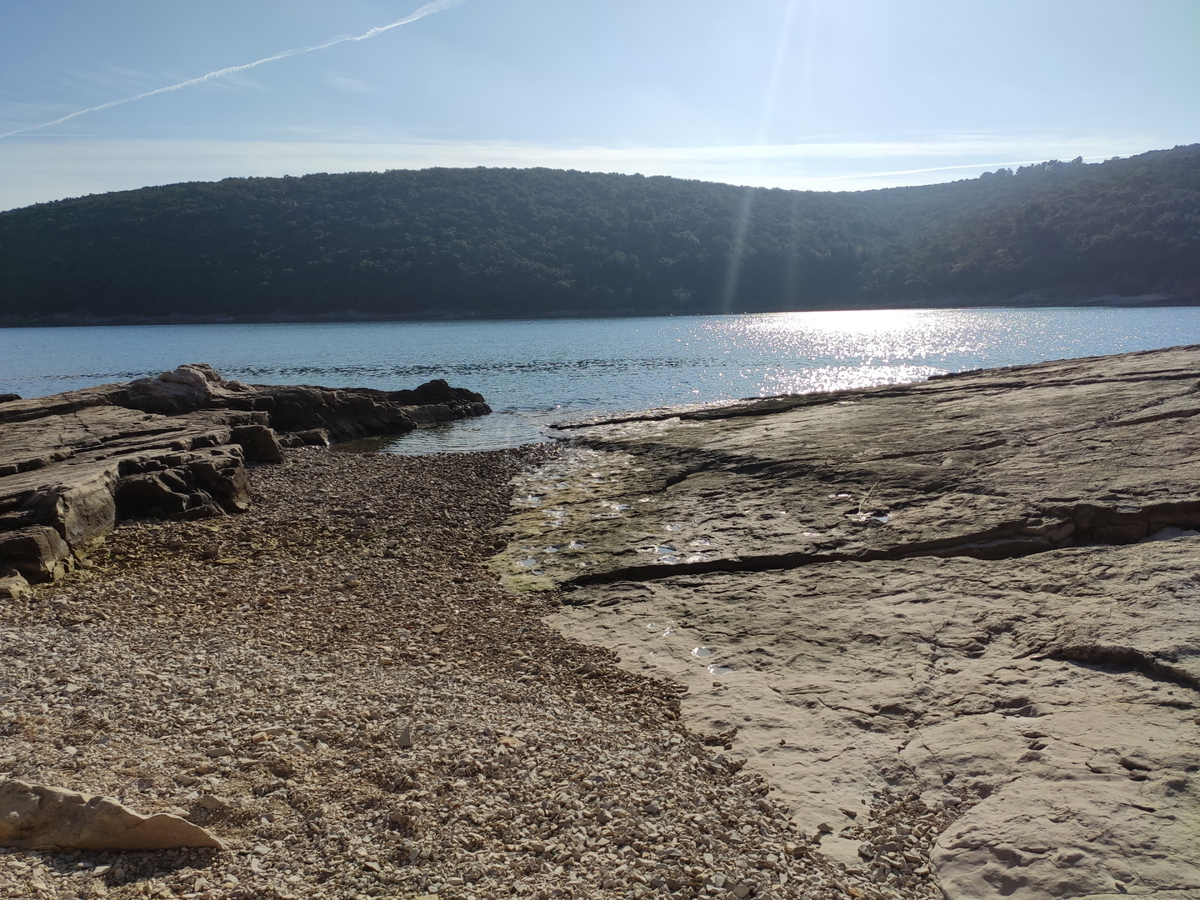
pixel 84 321
pixel 447 244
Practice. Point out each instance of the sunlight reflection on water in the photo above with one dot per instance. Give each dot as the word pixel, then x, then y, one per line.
pixel 534 373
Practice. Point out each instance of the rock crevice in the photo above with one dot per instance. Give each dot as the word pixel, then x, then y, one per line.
pixel 1087 525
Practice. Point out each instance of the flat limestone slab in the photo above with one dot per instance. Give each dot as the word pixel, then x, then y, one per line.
pixel 983 590
pixel 962 680
pixel 993 464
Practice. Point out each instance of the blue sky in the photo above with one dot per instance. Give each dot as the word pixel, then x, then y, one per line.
pixel 819 94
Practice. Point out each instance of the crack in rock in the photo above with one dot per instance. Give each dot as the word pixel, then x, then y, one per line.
pixel 1085 525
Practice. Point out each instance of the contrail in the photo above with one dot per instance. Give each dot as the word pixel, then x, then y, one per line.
pixel 427 9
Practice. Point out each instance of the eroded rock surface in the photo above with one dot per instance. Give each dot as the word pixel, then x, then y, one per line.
pixel 175 446
pixel 982 590
pixel 40 817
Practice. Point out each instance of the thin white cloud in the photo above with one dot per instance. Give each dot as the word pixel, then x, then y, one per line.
pixel 341 82
pixel 986 167
pixel 427 9
pixel 108 80
pixel 935 147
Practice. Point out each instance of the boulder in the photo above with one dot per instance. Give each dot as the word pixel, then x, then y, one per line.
pixel 39 817
pixel 37 552
pixel 183 390
pixel 258 442
pixel 13 585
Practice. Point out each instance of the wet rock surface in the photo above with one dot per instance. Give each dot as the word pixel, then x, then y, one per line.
pixel 175 446
pixel 981 591
pixel 991 464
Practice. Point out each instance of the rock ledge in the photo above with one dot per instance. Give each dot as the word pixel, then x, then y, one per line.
pixel 175 446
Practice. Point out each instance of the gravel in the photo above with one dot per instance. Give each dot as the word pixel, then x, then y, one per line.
pixel 336 685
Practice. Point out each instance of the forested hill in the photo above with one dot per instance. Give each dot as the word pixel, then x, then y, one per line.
pixel 532 242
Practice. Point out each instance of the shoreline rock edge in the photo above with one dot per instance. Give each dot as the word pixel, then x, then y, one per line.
pixel 174 447
pixel 979 591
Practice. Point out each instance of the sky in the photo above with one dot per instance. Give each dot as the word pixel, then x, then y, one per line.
pixel 807 94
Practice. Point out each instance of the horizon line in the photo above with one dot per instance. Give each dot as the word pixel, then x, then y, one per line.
pixel 58 170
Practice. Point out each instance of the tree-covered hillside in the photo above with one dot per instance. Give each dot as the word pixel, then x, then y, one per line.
pixel 515 242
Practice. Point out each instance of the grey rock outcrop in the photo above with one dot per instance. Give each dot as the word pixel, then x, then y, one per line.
pixel 175 446
pixel 981 590
pixel 39 817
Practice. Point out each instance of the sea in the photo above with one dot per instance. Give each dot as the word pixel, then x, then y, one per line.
pixel 538 373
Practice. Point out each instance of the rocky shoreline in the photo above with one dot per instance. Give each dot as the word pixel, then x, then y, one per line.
pixel 900 643
pixel 72 465
pixel 979 590
pixel 336 686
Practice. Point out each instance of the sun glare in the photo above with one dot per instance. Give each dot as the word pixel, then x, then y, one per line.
pixel 850 322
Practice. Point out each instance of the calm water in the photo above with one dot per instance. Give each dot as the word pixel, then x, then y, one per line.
pixel 537 372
